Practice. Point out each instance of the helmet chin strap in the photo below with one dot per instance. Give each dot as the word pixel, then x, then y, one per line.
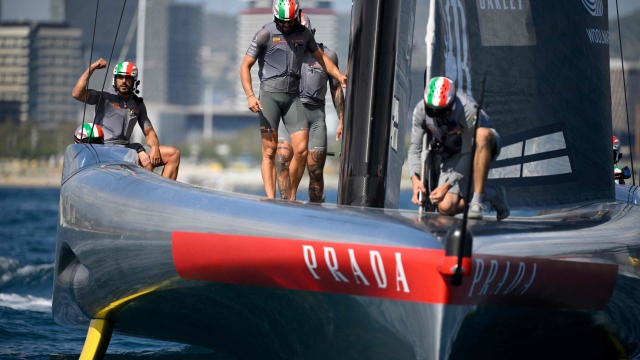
pixel 132 90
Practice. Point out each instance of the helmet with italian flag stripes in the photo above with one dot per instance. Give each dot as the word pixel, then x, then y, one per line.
pixel 89 133
pixel 125 68
pixel 304 20
pixel 617 155
pixel 286 10
pixel 439 95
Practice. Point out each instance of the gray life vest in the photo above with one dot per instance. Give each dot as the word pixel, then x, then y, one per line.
pixel 313 85
pixel 284 54
pixel 448 131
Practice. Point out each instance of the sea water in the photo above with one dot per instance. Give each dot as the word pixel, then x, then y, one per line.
pixel 28 223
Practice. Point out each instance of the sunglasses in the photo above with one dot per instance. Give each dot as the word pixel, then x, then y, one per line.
pixel 282 22
pixel 437 113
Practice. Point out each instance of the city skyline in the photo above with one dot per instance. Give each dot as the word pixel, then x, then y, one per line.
pixel 210 46
pixel 39 10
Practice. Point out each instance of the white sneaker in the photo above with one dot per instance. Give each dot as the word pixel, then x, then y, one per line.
pixel 499 203
pixel 476 211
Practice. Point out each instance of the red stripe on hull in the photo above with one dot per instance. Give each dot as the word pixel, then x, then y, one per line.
pixel 397 273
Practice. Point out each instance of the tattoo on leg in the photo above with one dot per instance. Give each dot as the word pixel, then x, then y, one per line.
pixel 282 170
pixel 318 157
pixel 316 178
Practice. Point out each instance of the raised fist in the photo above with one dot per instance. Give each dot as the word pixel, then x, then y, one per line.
pixel 99 64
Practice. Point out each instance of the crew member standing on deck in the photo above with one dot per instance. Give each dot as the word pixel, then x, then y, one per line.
pixel 448 119
pixel 119 109
pixel 313 89
pixel 280 48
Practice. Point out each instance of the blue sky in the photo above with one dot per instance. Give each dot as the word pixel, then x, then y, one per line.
pixel 39 9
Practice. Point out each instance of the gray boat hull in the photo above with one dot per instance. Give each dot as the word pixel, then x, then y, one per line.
pixel 155 257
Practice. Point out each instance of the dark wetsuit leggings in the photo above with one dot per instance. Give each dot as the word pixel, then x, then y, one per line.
pixel 285 106
pixel 317 129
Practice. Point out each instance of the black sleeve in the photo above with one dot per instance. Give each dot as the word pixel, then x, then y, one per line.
pixel 135 146
pixel 94 96
pixel 312 45
pixel 259 43
pixel 143 118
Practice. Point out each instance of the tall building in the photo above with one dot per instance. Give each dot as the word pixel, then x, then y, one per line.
pixel 39 65
pixel 260 12
pixel 173 40
pixel 82 14
pixel 15 54
pixel 57 11
pixel 57 66
pixel 184 58
pixel 169 59
pixel 156 48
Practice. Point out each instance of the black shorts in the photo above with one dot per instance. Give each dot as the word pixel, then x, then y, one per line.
pixel 285 106
pixel 317 129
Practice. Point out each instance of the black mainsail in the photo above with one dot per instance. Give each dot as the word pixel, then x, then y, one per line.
pixel 378 93
pixel 547 91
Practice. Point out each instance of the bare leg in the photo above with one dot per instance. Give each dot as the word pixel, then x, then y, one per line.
pixel 268 169
pixel 283 160
pixel 299 141
pixel 144 161
pixel 171 161
pixel 484 144
pixel 315 166
pixel 451 205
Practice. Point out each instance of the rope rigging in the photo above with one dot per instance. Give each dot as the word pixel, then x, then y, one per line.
pixel 626 105
pixel 95 21
pixel 86 90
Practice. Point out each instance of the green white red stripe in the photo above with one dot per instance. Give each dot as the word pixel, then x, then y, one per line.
pixel 90 131
pixel 285 10
pixel 124 68
pixel 440 92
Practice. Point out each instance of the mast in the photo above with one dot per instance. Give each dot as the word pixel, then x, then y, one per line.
pixel 142 15
pixel 430 39
pixel 378 93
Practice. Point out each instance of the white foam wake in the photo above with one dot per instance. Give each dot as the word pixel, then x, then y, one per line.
pixel 19 302
pixel 10 272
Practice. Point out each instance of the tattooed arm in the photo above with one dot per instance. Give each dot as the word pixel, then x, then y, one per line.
pixel 338 102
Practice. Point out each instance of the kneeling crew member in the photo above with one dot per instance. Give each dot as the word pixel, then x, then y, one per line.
pixel 448 118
